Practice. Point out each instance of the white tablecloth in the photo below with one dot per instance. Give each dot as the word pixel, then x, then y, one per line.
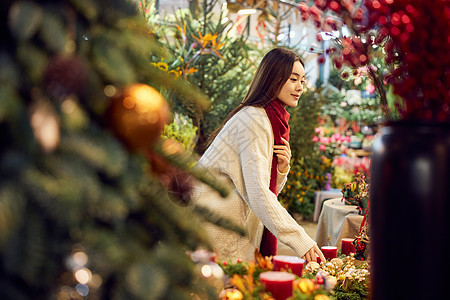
pixel 337 220
pixel 321 196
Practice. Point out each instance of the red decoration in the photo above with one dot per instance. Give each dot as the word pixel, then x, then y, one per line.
pixel 329 252
pixel 321 59
pixel 286 263
pixel 180 187
pixel 159 165
pixel 65 75
pixel 178 183
pixel 413 34
pixel 279 284
pixel 138 115
pixel 347 246
pixel 318 258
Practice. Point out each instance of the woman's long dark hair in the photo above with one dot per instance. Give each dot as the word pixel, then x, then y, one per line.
pixel 272 73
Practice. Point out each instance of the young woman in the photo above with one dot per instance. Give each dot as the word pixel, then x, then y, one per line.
pixel 251 152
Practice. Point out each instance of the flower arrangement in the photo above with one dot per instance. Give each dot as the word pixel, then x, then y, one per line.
pixel 339 278
pixel 357 193
pixel 415 49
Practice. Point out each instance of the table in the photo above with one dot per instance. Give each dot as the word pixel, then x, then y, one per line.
pixel 338 221
pixel 321 196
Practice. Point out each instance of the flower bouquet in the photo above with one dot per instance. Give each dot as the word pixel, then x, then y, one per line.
pixel 357 193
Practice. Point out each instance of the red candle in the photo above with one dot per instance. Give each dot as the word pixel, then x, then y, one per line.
pixel 318 258
pixel 279 284
pixel 329 252
pixel 286 263
pixel 347 246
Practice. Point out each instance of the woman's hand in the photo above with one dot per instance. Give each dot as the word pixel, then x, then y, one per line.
pixel 311 254
pixel 283 153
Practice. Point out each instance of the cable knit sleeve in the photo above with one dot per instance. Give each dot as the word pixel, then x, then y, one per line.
pixel 281 179
pixel 255 154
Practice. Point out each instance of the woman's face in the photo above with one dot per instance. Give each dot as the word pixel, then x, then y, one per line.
pixel 293 87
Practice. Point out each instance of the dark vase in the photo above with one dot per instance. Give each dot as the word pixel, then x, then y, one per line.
pixel 410 211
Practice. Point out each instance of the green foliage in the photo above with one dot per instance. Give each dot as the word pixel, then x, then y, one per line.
pixel 307 175
pixel 230 269
pixel 355 291
pixel 363 79
pixel 303 121
pixel 203 53
pixel 182 130
pixel 339 106
pixel 84 192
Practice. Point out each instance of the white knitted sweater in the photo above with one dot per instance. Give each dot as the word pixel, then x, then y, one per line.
pixel 241 155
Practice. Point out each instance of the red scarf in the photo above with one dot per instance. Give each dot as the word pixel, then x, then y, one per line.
pixel 279 119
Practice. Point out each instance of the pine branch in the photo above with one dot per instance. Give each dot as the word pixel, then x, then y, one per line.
pixel 186 162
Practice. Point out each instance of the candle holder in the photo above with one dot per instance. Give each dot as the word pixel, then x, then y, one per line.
pixel 288 263
pixel 329 252
pixel 318 258
pixel 279 284
pixel 347 246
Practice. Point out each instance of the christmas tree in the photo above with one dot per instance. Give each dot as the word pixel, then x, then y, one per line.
pixel 81 214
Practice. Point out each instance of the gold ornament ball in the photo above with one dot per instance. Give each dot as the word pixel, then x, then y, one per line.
pixel 138 115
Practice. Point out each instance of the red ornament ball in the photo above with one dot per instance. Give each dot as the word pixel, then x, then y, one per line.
pixel 65 75
pixel 321 59
pixel 180 187
pixel 137 115
pixel 159 165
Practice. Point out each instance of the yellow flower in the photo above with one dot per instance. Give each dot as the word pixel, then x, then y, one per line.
pixel 175 73
pixel 288 187
pixel 163 66
pixel 231 294
pixel 238 282
pixel 234 295
pixel 306 286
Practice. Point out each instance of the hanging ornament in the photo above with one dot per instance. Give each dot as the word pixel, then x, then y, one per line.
pixel 45 124
pixel 159 165
pixel 179 183
pixel 138 115
pixel 65 75
pixel 180 187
